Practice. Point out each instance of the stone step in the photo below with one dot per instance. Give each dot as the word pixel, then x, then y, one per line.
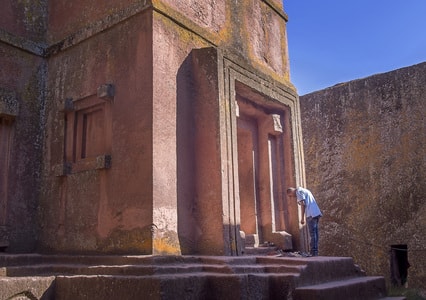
pixel 181 286
pixel 319 269
pixel 313 270
pixel 26 259
pixel 191 277
pixel 371 287
pixel 256 251
pixel 140 270
pixel 168 286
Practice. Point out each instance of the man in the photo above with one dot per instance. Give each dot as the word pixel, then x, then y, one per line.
pixel 312 212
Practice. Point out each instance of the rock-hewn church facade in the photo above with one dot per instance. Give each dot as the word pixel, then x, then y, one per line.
pixel 147 127
pixel 169 128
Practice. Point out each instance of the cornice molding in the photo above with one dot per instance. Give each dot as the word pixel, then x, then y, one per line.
pixel 22 43
pixel 277 9
pixel 45 50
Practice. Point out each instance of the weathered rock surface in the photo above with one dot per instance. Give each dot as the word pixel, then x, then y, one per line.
pixel 185 277
pixel 365 156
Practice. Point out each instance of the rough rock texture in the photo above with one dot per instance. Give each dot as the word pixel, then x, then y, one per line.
pixel 24 19
pixel 365 157
pixel 21 116
pixel 21 288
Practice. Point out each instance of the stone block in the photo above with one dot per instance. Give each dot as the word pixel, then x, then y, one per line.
pixel 8 103
pixel 27 288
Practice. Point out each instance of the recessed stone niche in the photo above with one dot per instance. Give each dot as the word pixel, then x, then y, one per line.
pixel 88 131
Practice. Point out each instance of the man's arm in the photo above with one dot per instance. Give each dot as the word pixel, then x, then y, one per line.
pixel 302 203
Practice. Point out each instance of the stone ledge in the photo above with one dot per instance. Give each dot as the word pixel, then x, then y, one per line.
pixel 184 277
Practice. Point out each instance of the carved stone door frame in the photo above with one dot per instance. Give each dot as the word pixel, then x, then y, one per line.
pixel 224 84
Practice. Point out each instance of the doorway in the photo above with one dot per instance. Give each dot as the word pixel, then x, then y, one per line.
pixel 399 265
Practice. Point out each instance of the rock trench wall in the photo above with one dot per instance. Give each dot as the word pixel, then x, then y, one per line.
pixel 364 144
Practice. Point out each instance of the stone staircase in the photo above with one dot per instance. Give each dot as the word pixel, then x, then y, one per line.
pixel 184 277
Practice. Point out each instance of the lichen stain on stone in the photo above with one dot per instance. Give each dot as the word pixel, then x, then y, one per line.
pixel 167 244
pixel 184 36
pixel 227 35
pixel 265 37
pixel 135 241
pixel 203 14
pixel 35 15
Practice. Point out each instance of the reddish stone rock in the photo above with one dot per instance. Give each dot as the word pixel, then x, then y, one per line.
pixel 131 134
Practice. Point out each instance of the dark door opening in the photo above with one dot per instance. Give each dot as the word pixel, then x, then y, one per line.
pixel 399 264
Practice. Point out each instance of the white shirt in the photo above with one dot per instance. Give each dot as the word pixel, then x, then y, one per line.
pixel 311 206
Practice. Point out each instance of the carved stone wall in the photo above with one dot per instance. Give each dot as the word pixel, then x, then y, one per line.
pixel 113 94
pixel 365 156
pixel 23 27
pixel 21 139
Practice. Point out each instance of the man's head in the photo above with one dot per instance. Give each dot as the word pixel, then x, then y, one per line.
pixel 291 192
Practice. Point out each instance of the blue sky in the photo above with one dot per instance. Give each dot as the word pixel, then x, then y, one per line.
pixel 333 41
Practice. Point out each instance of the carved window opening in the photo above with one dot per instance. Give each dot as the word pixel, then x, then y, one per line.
pixel 88 132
